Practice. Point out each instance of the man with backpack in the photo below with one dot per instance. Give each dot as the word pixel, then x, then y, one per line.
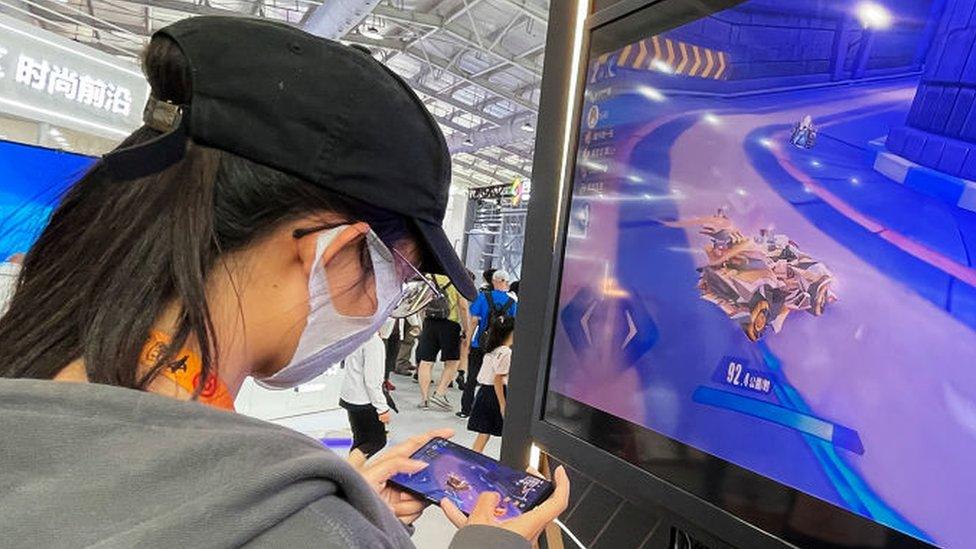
pixel 488 306
pixel 442 334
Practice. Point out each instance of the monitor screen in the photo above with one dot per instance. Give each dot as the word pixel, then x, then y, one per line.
pixel 32 181
pixel 769 254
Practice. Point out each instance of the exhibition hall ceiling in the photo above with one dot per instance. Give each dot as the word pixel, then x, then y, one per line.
pixel 477 64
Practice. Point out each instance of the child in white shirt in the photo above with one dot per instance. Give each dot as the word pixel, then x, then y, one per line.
pixel 488 410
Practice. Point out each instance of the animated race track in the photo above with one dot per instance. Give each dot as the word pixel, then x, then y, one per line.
pixel 771 245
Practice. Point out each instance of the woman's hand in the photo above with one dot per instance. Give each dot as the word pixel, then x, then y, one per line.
pixel 529 525
pixel 385 417
pixel 378 471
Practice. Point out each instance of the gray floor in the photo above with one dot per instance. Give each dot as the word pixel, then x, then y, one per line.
pixel 433 531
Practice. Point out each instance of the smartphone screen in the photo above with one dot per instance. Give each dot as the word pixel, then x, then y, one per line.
pixel 460 474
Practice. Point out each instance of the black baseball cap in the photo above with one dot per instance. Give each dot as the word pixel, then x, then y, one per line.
pixel 314 108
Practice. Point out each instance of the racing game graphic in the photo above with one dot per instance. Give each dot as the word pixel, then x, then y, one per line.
pixel 758 281
pixel 771 250
pixel 461 475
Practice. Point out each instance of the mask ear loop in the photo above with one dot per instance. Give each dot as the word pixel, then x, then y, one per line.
pixel 387 253
pixel 319 257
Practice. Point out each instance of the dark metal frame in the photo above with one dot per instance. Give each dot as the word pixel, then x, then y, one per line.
pixel 542 270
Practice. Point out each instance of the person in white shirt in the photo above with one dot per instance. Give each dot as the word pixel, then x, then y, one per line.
pixel 9 271
pixel 363 399
pixel 488 411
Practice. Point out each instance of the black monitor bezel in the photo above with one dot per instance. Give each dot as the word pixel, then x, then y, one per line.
pixel 626 21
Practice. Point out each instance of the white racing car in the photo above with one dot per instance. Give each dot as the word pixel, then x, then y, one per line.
pixel 758 281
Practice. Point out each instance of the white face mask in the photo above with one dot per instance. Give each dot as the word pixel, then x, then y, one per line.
pixel 330 336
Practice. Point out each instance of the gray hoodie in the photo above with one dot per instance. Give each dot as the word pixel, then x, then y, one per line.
pixel 85 465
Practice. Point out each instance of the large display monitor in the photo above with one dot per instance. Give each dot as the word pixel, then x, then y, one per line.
pixel 767 295
pixel 32 181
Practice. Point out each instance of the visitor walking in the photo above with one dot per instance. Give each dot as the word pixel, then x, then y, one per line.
pixel 488 411
pixel 442 335
pixel 363 399
pixel 486 307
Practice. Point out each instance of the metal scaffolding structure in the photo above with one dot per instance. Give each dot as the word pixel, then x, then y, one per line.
pixel 477 64
pixel 495 235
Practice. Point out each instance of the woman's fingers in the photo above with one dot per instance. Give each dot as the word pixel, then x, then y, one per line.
pixel 484 508
pixel 532 523
pixel 414 443
pixel 559 500
pixel 453 514
pixel 407 496
pixel 379 473
pixel 483 512
pixel 406 508
pixel 409 519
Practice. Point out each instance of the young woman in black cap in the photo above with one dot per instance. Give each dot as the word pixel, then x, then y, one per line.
pixel 275 209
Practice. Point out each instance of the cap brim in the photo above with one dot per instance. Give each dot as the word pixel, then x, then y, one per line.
pixel 440 258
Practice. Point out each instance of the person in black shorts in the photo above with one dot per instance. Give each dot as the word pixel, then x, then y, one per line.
pixel 441 335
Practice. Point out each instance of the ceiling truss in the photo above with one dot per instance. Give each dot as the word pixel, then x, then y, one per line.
pixel 476 63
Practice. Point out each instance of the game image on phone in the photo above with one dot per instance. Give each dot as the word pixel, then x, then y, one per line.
pixel 461 475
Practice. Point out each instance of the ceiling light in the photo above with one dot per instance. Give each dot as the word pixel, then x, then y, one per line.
pixel 873 16
pixel 54 131
pixel 527 127
pixel 468 141
pixel 372 32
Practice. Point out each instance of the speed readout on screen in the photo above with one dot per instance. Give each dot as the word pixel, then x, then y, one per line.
pixel 461 475
pixel 739 376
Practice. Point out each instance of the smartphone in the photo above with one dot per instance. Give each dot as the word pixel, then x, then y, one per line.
pixel 461 475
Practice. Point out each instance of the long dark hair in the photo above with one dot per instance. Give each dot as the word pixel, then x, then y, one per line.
pixel 501 327
pixel 115 253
